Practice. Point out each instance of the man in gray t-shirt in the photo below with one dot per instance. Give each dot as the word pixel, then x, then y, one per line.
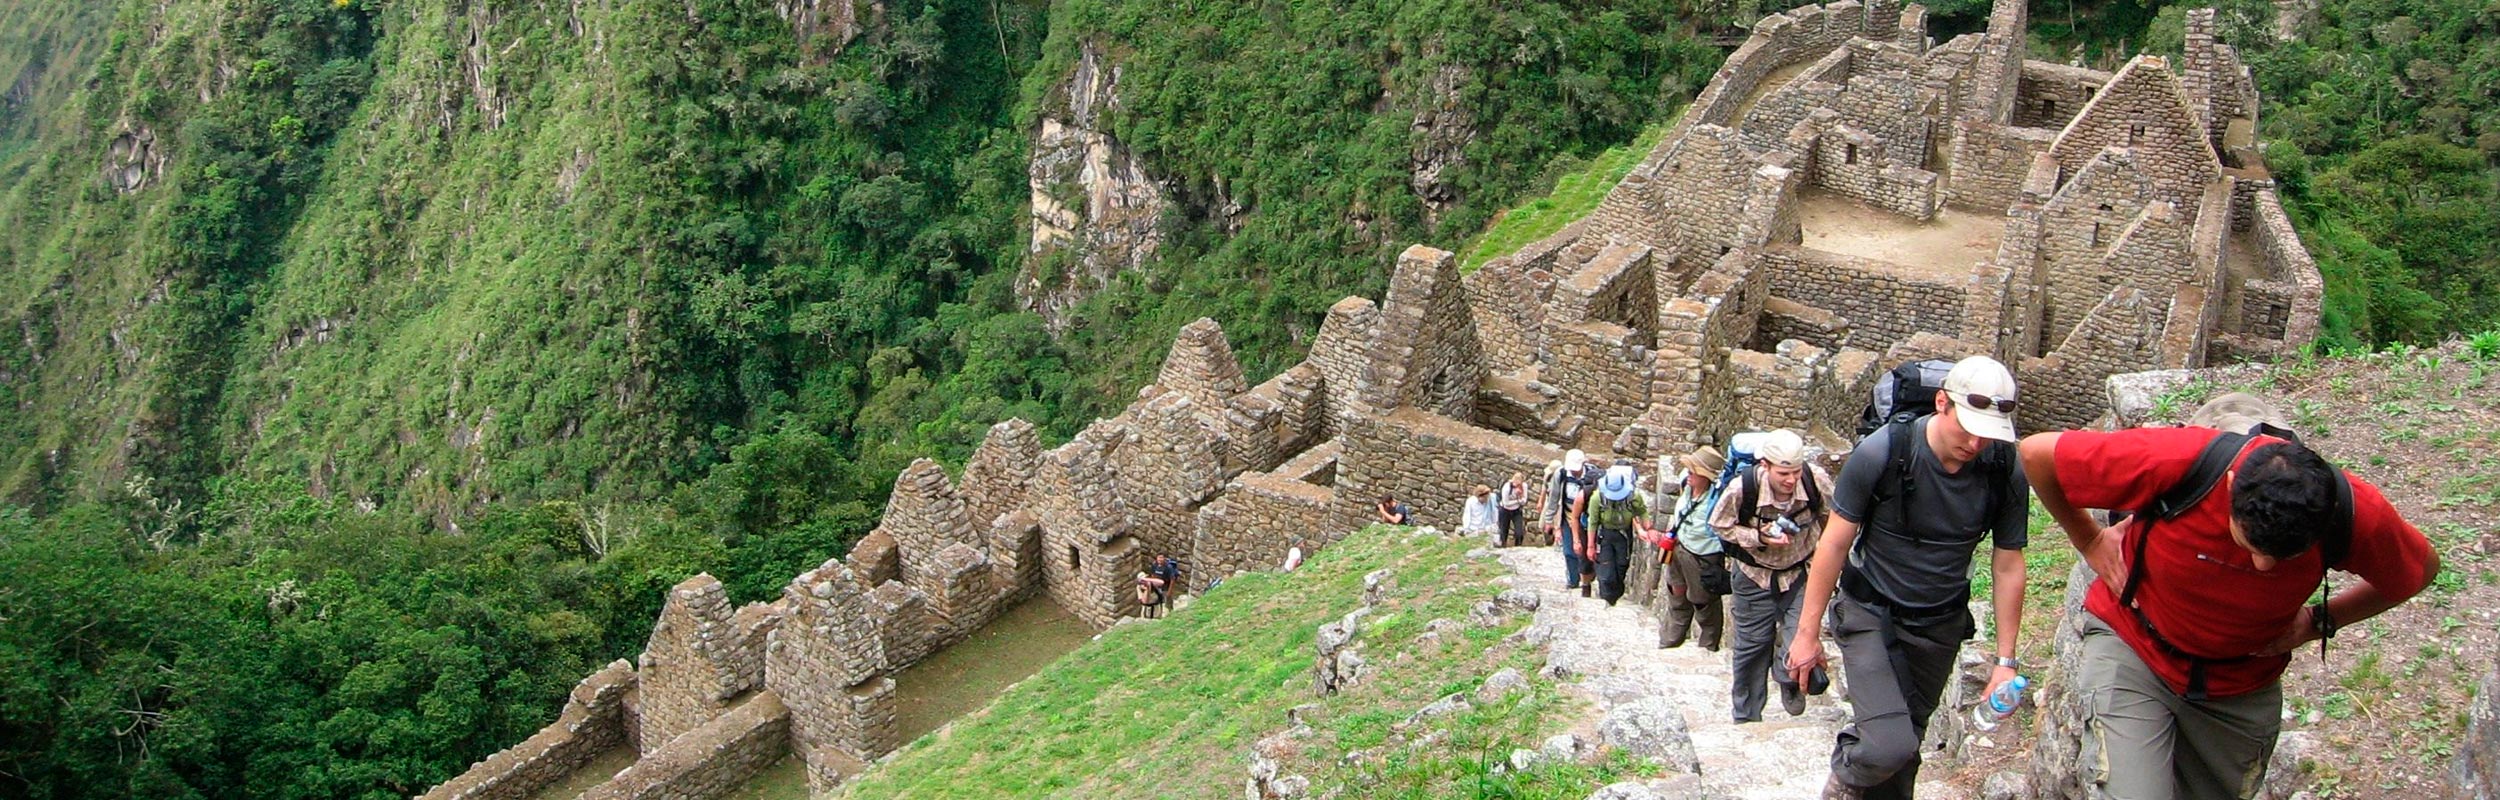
pixel 1912 506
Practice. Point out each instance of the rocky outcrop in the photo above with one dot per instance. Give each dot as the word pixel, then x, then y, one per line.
pixel 133 161
pixel 823 27
pixel 1443 128
pixel 1095 211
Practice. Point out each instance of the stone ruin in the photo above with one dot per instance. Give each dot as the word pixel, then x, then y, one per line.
pixel 1844 196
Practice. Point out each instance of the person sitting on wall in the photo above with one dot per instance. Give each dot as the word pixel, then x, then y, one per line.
pixel 1393 512
pixel 1480 514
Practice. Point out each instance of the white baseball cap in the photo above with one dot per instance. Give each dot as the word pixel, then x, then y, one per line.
pixel 1986 380
pixel 1782 447
pixel 1572 460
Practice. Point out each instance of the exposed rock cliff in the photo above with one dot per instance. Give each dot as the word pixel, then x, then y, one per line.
pixel 1092 199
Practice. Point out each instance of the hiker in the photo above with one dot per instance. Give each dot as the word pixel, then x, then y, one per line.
pixel 1773 519
pixel 1696 567
pixel 1915 499
pixel 1614 519
pixel 1392 512
pixel 1477 513
pixel 1514 498
pixel 1149 594
pixel 1168 570
pixel 2205 592
pixel 1564 519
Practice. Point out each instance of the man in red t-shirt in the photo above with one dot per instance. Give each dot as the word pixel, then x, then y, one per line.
pixel 2190 675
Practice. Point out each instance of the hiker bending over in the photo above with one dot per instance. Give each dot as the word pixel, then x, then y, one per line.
pixel 1772 522
pixel 2205 591
pixel 1618 515
pixel 1393 512
pixel 1915 500
pixel 1149 594
pixel 1695 566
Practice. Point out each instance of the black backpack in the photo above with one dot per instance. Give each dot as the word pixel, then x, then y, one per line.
pixel 1903 394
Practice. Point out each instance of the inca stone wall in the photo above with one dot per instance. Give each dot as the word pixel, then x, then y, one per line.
pixel 1687 307
pixel 593 722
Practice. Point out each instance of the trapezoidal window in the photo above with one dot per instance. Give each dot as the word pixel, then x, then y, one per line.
pixel 1850 156
pixel 2048 108
pixel 1074 562
pixel 2135 133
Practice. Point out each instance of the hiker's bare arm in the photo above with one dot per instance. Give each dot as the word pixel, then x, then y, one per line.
pixel 2005 568
pixel 1805 650
pixel 2102 547
pixel 2352 605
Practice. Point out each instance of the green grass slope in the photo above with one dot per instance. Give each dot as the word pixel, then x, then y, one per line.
pixel 1172 708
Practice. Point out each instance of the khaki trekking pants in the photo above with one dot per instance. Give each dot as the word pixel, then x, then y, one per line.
pixel 2216 749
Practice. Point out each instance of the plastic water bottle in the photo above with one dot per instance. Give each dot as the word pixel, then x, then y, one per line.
pixel 1999 704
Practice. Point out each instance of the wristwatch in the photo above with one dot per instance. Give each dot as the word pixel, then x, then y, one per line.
pixel 2009 662
pixel 2321 621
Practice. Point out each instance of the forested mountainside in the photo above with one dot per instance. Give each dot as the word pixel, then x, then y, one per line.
pixel 374 364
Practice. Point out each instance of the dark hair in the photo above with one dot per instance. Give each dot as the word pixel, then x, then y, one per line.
pixel 1387 499
pixel 2279 495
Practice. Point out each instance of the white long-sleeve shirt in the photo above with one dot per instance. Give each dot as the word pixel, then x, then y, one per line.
pixel 1480 514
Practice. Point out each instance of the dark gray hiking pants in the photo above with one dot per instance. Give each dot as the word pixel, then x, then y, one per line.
pixel 1897 674
pixel 1765 620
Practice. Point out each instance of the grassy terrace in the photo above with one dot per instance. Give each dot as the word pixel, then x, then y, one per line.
pixel 1172 708
pixel 1575 194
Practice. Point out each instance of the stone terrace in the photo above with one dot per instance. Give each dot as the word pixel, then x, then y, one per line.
pixel 1843 196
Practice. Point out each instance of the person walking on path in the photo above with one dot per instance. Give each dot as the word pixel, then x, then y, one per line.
pixel 1614 520
pixel 1565 518
pixel 1915 500
pixel 1696 567
pixel 2201 600
pixel 1772 517
pixel 1514 499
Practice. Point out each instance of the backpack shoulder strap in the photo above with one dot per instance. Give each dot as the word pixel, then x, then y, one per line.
pixel 2201 478
pixel 1814 495
pixel 1893 487
pixel 1750 494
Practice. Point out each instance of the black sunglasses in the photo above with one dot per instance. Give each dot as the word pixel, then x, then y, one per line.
pixel 1984 402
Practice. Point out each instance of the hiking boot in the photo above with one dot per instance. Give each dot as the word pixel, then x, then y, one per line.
pixel 1835 790
pixel 1792 699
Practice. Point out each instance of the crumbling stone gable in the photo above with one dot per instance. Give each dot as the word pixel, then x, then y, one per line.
pixel 1173 462
pixel 2120 335
pixel 1702 188
pixel 2145 110
pixel 1509 321
pixel 2219 87
pixel 1996 72
pixel 1201 366
pixel 2050 95
pixel 1425 353
pixel 924 515
pixel 2078 228
pixel 1276 419
pixel 827 645
pixel 1081 514
pixel 693 666
pixel 1342 353
pixel 1000 471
